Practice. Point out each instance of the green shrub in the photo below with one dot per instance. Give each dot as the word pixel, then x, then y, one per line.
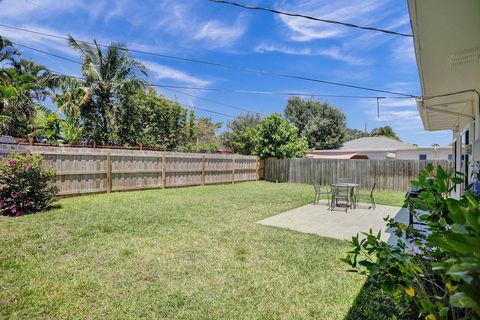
pixel 436 273
pixel 25 186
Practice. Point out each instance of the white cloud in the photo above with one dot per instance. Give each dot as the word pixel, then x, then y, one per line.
pixel 334 53
pixel 223 35
pixel 38 41
pixel 403 51
pixel 396 116
pixel 337 54
pixel 398 103
pixel 164 72
pixel 20 10
pixel 265 47
pixel 306 30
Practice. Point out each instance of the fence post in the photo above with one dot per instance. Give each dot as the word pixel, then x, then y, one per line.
pixel 233 170
pixel 109 173
pixel 164 172
pixel 203 170
pixel 257 167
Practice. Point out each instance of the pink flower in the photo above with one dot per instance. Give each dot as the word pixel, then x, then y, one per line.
pixel 28 166
pixel 11 162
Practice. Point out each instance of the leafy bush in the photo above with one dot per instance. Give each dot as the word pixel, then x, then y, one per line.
pixel 435 272
pixel 25 186
pixel 278 138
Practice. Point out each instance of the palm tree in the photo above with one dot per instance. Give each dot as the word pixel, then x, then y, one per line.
pixel 109 74
pixel 23 85
pixel 7 51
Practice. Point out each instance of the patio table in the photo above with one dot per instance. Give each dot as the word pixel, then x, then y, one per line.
pixel 351 190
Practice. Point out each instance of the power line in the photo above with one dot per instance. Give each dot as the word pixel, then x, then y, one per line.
pixel 210 100
pixel 171 87
pixel 144 94
pixel 46 52
pixel 346 24
pixel 253 70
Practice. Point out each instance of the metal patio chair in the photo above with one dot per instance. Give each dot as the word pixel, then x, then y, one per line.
pixel 321 190
pixel 367 196
pixel 340 195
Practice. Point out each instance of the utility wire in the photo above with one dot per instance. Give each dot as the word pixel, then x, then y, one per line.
pixel 171 87
pixel 345 24
pixel 144 94
pixel 46 52
pixel 246 69
pixel 210 100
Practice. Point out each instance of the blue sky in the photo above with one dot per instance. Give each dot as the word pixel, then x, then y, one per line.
pixel 204 30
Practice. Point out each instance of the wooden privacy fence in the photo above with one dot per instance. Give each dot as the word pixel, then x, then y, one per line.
pixel 82 170
pixel 394 175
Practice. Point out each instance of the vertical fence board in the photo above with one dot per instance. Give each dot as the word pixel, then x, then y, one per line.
pixel 392 175
pixel 86 170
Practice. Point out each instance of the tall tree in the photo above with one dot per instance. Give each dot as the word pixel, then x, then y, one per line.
pixel 162 122
pixel 110 74
pixel 206 140
pixel 23 85
pixel 240 135
pixel 323 125
pixel 352 134
pixel 278 138
pixel 386 131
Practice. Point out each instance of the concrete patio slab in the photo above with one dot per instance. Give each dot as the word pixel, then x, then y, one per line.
pixel 338 224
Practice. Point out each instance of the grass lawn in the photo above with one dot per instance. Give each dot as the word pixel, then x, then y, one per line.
pixel 188 253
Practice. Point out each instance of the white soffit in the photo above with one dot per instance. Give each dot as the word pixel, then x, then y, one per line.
pixel 447 48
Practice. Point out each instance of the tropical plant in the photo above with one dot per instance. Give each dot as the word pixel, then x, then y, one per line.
pixel 48 125
pixel 23 85
pixel 109 74
pixel 435 271
pixel 8 52
pixel 25 186
pixel 278 138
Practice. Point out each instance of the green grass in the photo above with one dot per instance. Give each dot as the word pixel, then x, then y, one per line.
pixel 188 253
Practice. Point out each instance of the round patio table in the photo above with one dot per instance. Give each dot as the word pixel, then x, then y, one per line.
pixel 351 189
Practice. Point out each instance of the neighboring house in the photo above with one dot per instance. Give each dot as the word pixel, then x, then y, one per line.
pixel 381 148
pixel 446 36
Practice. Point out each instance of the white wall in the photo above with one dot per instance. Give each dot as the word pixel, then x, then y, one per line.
pixel 432 154
pixel 439 154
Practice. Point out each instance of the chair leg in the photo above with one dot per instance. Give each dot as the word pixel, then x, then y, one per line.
pixel 372 200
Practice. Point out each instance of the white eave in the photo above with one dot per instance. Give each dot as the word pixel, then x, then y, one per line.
pixel 447 49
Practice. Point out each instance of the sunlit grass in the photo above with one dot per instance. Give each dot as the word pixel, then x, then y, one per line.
pixel 188 253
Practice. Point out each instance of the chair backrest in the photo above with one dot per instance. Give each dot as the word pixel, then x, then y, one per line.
pixel 317 187
pixel 344 180
pixel 373 188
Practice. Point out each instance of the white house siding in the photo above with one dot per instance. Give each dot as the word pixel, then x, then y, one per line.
pixel 439 154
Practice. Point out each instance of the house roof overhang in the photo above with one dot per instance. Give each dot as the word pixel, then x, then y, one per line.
pixel 331 154
pixel 447 49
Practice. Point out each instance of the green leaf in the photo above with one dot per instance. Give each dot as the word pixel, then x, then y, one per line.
pixel 462 300
pixel 463 243
pixel 472 217
pixel 429 167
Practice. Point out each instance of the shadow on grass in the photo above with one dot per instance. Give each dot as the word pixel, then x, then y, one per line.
pixel 54 206
pixel 372 303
